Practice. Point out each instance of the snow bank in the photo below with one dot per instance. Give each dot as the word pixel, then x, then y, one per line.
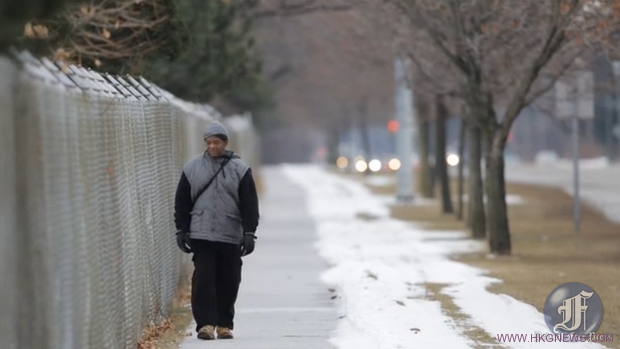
pixel 586 164
pixel 511 199
pixel 380 180
pixel 379 268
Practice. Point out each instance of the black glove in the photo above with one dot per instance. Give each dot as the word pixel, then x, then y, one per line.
pixel 247 244
pixel 183 241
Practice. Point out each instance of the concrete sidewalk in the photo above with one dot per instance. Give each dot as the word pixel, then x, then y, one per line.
pixel 282 303
pixel 600 187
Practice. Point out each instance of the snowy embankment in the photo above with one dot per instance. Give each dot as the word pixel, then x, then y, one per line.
pixel 380 269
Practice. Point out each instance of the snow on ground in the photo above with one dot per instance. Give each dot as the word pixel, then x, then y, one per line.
pixel 599 185
pixel 380 180
pixel 378 268
pixel 585 164
pixel 511 199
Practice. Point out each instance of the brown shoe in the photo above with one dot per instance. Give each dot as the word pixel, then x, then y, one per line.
pixel 224 333
pixel 206 332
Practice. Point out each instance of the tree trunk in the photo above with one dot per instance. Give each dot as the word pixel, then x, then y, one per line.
pixel 440 156
pixel 426 181
pixel 363 122
pixel 333 142
pixel 364 132
pixel 476 219
pixel 346 136
pixel 459 213
pixel 497 212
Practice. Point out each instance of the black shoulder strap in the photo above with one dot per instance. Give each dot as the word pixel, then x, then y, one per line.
pixel 212 178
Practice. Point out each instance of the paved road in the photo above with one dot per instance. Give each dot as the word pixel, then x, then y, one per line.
pixel 282 302
pixel 598 186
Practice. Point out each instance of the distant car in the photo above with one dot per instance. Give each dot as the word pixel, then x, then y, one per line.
pixel 385 162
pixel 388 162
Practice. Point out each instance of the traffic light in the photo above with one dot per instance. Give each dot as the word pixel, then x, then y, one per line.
pixel 393 126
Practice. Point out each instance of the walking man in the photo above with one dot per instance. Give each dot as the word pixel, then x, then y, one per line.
pixel 216 216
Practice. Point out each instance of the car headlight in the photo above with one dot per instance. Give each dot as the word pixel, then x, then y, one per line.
pixel 361 166
pixel 374 165
pixel 453 159
pixel 342 162
pixel 394 164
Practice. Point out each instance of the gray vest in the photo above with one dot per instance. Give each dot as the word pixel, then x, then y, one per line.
pixel 215 215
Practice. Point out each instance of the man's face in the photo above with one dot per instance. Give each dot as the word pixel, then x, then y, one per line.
pixel 216 146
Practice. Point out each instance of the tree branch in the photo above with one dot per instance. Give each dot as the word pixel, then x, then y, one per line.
pixel 416 17
pixel 291 10
pixel 428 78
pixel 544 89
pixel 554 41
pixel 557 122
pixel 461 38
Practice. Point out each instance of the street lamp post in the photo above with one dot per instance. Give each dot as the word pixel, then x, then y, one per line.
pixel 404 134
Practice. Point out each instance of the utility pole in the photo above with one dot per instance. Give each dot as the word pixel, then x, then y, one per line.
pixel 404 134
pixel 576 157
pixel 616 128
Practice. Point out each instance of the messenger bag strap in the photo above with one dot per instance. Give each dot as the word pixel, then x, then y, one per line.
pixel 212 179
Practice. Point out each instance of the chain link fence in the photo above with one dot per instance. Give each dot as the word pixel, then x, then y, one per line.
pixel 89 166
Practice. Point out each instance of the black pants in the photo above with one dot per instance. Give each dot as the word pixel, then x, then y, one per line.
pixel 215 282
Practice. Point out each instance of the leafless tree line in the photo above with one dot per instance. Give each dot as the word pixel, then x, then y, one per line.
pixel 483 60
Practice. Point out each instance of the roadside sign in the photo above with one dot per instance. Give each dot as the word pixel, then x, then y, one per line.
pixel 574 96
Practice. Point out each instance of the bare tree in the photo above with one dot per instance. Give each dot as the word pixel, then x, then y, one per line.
pixel 461 151
pixel 115 31
pixel 388 24
pixel 329 74
pixel 441 167
pixel 423 120
pixel 505 54
pixel 476 217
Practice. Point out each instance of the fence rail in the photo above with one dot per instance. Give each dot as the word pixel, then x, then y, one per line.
pixel 89 164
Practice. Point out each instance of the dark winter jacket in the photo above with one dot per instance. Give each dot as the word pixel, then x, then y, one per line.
pixel 226 209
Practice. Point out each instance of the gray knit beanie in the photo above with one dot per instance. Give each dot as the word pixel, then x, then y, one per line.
pixel 215 128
